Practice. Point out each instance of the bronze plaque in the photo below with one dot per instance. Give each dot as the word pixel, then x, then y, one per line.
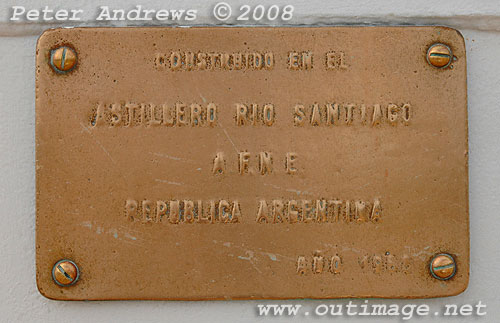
pixel 245 163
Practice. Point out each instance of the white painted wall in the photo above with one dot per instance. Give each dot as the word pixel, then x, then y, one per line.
pixel 479 22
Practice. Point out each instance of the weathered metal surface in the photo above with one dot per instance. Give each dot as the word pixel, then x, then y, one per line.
pixel 236 163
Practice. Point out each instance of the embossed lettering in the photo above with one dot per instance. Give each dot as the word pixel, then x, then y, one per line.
pixel 265 163
pixel 290 163
pixel 219 164
pixel 320 211
pixel 132 114
pixel 189 61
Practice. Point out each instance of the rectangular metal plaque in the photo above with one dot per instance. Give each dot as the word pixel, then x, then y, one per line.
pixel 241 163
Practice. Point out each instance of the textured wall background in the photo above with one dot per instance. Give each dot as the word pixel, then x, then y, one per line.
pixel 479 22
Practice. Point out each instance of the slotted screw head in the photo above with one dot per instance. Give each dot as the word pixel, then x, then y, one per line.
pixel 65 273
pixel 439 55
pixel 63 59
pixel 443 266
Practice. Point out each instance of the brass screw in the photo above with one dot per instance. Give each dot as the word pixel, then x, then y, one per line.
pixel 63 59
pixel 65 273
pixel 443 266
pixel 439 55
